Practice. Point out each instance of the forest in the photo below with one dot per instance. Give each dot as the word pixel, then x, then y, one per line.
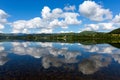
pixel 85 37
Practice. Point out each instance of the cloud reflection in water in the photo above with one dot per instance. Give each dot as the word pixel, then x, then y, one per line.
pixel 50 54
pixel 93 64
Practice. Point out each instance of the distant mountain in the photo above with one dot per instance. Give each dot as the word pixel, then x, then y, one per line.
pixel 12 34
pixel 88 32
pixel 116 31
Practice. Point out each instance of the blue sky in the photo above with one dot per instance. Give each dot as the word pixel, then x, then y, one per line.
pixel 53 16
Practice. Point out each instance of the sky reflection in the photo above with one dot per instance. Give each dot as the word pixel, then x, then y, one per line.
pixel 88 58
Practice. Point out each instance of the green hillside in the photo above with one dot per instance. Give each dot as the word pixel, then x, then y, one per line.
pixel 116 31
pixel 88 33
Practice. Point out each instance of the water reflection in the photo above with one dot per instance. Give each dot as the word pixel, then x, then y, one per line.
pixel 3 58
pixel 101 48
pixel 116 57
pixel 87 59
pixel 93 64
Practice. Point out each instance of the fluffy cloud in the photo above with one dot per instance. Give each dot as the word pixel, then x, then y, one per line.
pixel 58 18
pixel 63 18
pixel 91 27
pixel 65 31
pixel 49 20
pixel 46 12
pixel 70 8
pixel 117 19
pixel 23 26
pixel 107 26
pixel 99 27
pixel 3 18
pixel 94 12
pixel 1 26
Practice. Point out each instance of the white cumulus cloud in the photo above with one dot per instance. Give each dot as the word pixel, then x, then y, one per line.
pixel 49 20
pixel 117 19
pixel 94 11
pixel 3 18
pixel 70 8
pixel 99 27
pixel 91 27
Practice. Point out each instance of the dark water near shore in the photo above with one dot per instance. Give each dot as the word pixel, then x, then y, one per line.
pixel 58 61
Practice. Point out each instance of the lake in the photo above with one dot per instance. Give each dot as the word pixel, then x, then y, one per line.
pixel 24 60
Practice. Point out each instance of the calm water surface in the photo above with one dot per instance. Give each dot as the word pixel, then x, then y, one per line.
pixel 58 61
